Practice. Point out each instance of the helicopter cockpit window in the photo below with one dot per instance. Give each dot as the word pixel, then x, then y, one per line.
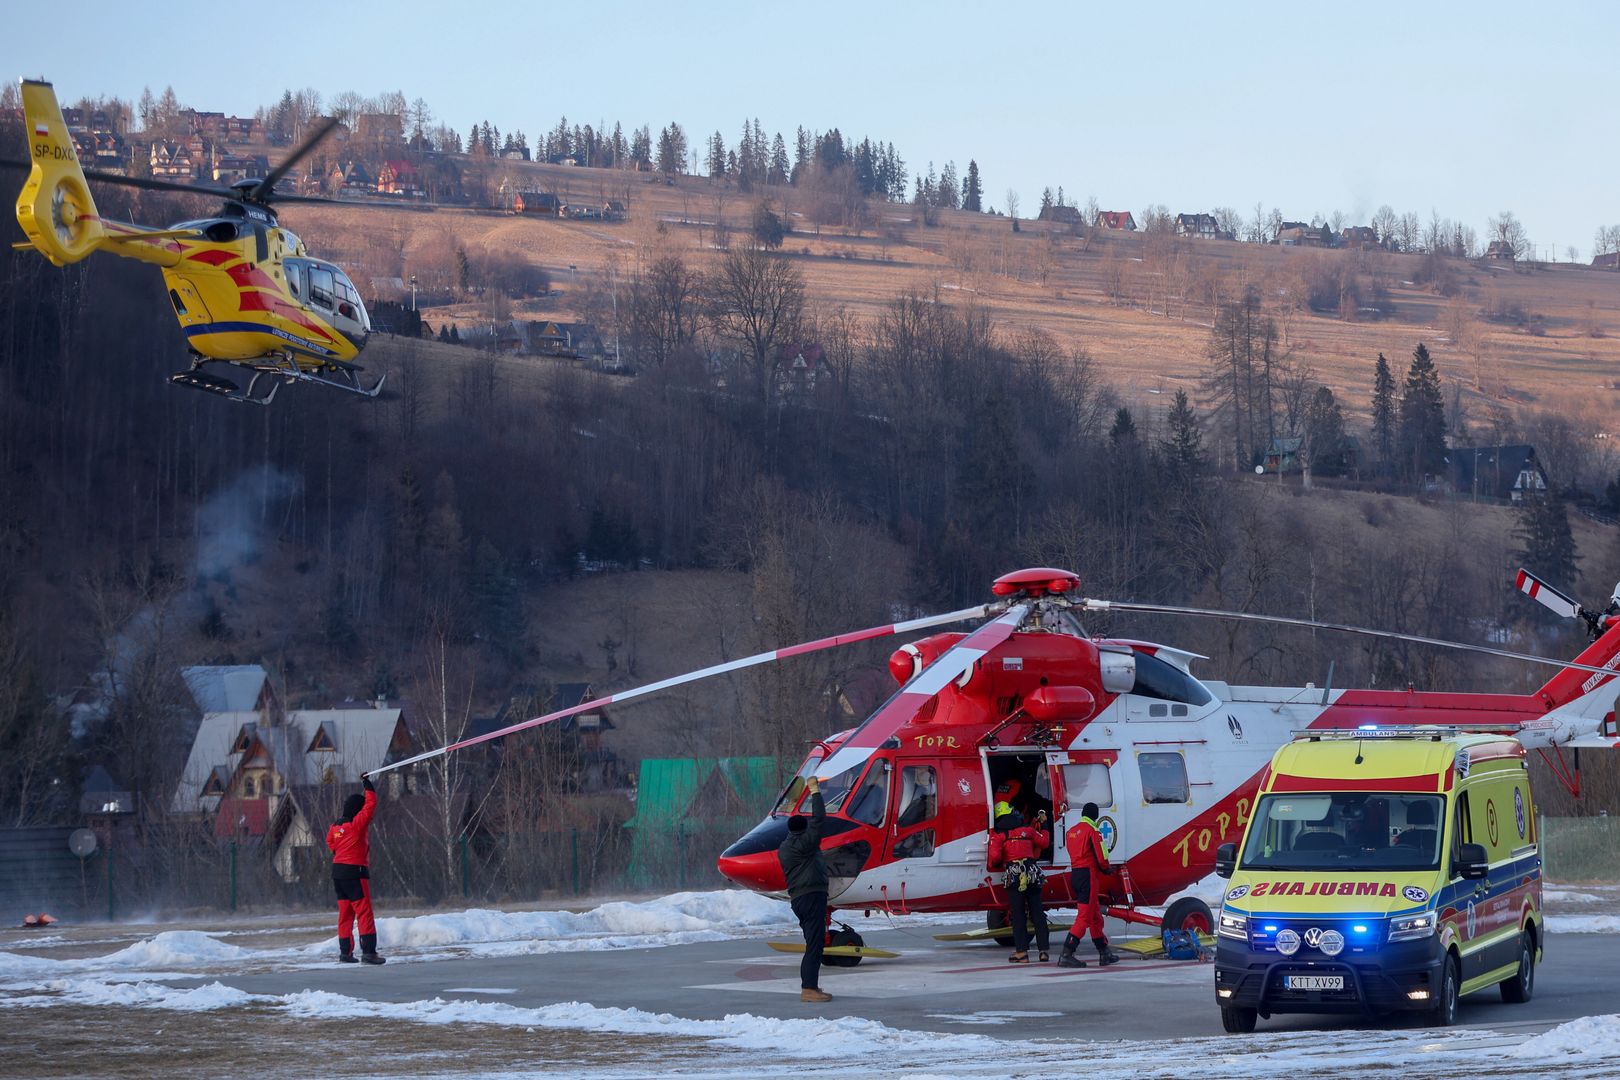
pixel 295 278
pixel 321 288
pixel 1164 778
pixel 873 796
pixel 1157 679
pixel 919 797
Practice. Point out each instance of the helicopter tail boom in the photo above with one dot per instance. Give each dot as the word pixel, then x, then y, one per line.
pixel 55 208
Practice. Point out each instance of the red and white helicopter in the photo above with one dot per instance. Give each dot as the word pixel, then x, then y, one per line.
pixel 1030 708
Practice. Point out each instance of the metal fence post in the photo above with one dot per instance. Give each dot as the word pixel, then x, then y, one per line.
pixel 680 870
pixel 109 883
pixel 466 877
pixel 573 840
pixel 233 875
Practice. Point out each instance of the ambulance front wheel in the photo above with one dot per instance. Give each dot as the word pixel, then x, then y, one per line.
pixel 1444 1013
pixel 1238 1020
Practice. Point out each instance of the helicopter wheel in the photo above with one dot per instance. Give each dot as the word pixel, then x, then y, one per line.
pixel 996 919
pixel 843 936
pixel 1189 913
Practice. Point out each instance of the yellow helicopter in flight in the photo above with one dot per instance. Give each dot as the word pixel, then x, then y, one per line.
pixel 246 291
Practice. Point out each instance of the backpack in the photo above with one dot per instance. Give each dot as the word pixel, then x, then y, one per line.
pixel 1183 945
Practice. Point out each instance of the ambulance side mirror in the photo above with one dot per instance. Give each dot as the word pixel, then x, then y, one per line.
pixel 1472 862
pixel 1225 860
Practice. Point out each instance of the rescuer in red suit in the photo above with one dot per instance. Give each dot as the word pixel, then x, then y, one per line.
pixel 1017 847
pixel 351 877
pixel 1088 862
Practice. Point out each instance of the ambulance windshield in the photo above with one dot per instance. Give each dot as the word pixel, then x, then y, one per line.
pixel 1346 830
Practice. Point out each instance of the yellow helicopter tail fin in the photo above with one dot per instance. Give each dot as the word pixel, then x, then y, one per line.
pixel 55 209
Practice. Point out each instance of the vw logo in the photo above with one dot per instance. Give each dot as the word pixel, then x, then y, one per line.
pixel 1313 937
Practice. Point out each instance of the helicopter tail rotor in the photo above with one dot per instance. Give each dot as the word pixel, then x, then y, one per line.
pixel 55 208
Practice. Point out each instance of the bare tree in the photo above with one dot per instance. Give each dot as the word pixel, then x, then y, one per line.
pixel 1012 204
pixel 757 301
pixel 1506 230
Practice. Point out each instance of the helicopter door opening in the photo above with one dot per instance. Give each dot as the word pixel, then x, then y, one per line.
pixel 1023 780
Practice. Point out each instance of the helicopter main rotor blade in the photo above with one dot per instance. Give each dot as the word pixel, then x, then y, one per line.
pixel 921 688
pixel 717 669
pixel 266 188
pixel 1283 620
pixel 146 183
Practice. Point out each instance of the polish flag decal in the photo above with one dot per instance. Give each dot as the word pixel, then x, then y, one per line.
pixel 41 128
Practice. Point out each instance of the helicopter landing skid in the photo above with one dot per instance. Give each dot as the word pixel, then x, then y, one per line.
pixel 274 371
pixel 198 379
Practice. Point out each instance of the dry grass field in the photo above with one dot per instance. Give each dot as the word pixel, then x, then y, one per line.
pixel 1141 306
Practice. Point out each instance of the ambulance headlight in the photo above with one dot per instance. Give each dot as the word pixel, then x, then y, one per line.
pixel 1234 926
pixel 1287 942
pixel 1332 943
pixel 1412 927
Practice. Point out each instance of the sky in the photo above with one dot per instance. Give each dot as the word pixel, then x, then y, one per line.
pixel 1467 109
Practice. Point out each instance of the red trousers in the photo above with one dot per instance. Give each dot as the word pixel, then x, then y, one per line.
pixel 1090 916
pixel 350 911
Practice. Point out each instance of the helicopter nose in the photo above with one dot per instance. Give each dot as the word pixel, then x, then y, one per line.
pixel 751 861
pixel 759 871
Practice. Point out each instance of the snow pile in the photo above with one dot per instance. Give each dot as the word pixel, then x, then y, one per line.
pixel 175 949
pixel 669 920
pixel 1565 896
pixel 135 995
pixel 1590 1036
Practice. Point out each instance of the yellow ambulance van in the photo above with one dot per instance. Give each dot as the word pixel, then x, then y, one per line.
pixel 1382 871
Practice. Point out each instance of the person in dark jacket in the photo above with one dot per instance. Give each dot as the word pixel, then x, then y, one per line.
pixel 1016 848
pixel 806 874
pixel 351 875
pixel 1088 862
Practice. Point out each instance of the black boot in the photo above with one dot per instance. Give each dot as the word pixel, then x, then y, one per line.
pixel 1066 959
pixel 1105 955
pixel 368 950
pixel 346 951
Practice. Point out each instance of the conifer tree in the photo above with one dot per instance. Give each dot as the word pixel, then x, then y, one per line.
pixel 1383 412
pixel 1182 451
pixel 1547 547
pixel 973 189
pixel 1421 444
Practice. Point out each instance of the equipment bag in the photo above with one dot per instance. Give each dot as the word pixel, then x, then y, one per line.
pixel 1182 945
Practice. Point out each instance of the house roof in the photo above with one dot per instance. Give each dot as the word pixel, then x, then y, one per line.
pixel 1497 468
pixel 1116 219
pixel 225 689
pixel 363 739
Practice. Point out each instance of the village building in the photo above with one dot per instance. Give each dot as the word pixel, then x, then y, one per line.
pixel 271 778
pixel 1199 227
pixel 1119 220
pixel 1503 473
pixel 1359 236
pixel 540 203
pixel 1500 250
pixel 1061 215
pixel 397 177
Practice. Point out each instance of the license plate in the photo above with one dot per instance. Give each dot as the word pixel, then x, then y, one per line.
pixel 1313 982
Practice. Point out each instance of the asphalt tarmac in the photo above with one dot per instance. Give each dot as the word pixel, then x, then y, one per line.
pixel 932 986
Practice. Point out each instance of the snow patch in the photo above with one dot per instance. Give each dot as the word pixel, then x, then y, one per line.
pixel 1583 924
pixel 1590 1036
pixel 1565 896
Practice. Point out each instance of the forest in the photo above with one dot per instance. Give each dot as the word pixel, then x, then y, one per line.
pixel 415 547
